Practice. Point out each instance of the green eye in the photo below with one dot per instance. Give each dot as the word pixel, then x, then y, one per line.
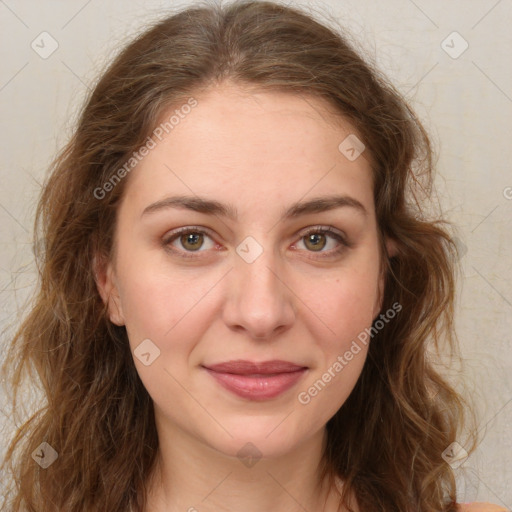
pixel 315 240
pixel 189 240
pixel 192 240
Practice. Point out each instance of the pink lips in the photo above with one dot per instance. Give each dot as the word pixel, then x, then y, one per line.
pixel 256 381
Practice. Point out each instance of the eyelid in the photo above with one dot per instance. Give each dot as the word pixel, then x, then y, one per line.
pixel 175 234
pixel 338 235
pixel 330 231
pixel 322 229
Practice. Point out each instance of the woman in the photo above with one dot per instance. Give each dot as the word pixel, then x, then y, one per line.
pixel 238 296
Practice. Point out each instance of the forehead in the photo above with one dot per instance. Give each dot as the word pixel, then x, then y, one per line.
pixel 246 145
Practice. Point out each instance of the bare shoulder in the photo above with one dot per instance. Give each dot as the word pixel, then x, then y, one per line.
pixel 481 507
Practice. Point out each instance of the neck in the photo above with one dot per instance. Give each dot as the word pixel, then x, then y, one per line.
pixel 192 476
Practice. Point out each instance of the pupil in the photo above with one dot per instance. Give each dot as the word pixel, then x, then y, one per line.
pixel 192 239
pixel 312 239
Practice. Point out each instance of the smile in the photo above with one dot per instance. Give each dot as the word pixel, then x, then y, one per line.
pixel 256 381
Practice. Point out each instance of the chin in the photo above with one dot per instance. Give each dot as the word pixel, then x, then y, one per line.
pixel 268 436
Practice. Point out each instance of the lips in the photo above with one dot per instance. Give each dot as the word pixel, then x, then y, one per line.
pixel 256 380
pixel 242 367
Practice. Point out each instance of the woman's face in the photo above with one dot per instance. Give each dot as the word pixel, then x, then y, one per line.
pixel 256 174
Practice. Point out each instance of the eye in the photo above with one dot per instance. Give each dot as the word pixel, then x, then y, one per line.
pixel 191 239
pixel 316 239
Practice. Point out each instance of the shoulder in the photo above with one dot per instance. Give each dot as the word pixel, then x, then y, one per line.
pixel 480 507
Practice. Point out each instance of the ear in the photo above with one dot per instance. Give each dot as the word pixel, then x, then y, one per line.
pixel 392 250
pixel 105 279
pixel 391 247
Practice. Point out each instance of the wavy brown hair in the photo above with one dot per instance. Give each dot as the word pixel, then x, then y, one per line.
pixel 387 439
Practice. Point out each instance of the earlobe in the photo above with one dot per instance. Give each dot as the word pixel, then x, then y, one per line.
pixel 106 284
pixel 391 247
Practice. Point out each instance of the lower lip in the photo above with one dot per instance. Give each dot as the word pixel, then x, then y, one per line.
pixel 261 387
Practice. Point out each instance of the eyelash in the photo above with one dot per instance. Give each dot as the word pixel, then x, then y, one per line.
pixel 344 244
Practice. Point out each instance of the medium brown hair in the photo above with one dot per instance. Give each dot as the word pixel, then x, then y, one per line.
pixel 386 441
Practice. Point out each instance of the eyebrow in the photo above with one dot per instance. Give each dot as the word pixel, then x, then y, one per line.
pixel 213 207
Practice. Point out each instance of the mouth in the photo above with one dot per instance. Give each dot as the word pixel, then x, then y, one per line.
pixel 256 381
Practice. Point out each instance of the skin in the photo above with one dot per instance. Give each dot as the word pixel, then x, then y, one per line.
pixel 259 152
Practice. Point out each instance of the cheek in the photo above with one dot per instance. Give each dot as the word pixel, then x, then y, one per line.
pixel 158 307
pixel 171 312
pixel 171 307
pixel 341 349
pixel 345 305
pixel 330 386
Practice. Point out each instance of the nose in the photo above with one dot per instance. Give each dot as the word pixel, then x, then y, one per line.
pixel 259 300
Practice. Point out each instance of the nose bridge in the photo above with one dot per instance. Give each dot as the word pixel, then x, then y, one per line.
pixel 259 301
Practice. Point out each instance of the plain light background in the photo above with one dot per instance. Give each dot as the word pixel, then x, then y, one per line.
pixel 463 97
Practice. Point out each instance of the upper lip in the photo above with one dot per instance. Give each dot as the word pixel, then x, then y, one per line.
pixel 243 367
